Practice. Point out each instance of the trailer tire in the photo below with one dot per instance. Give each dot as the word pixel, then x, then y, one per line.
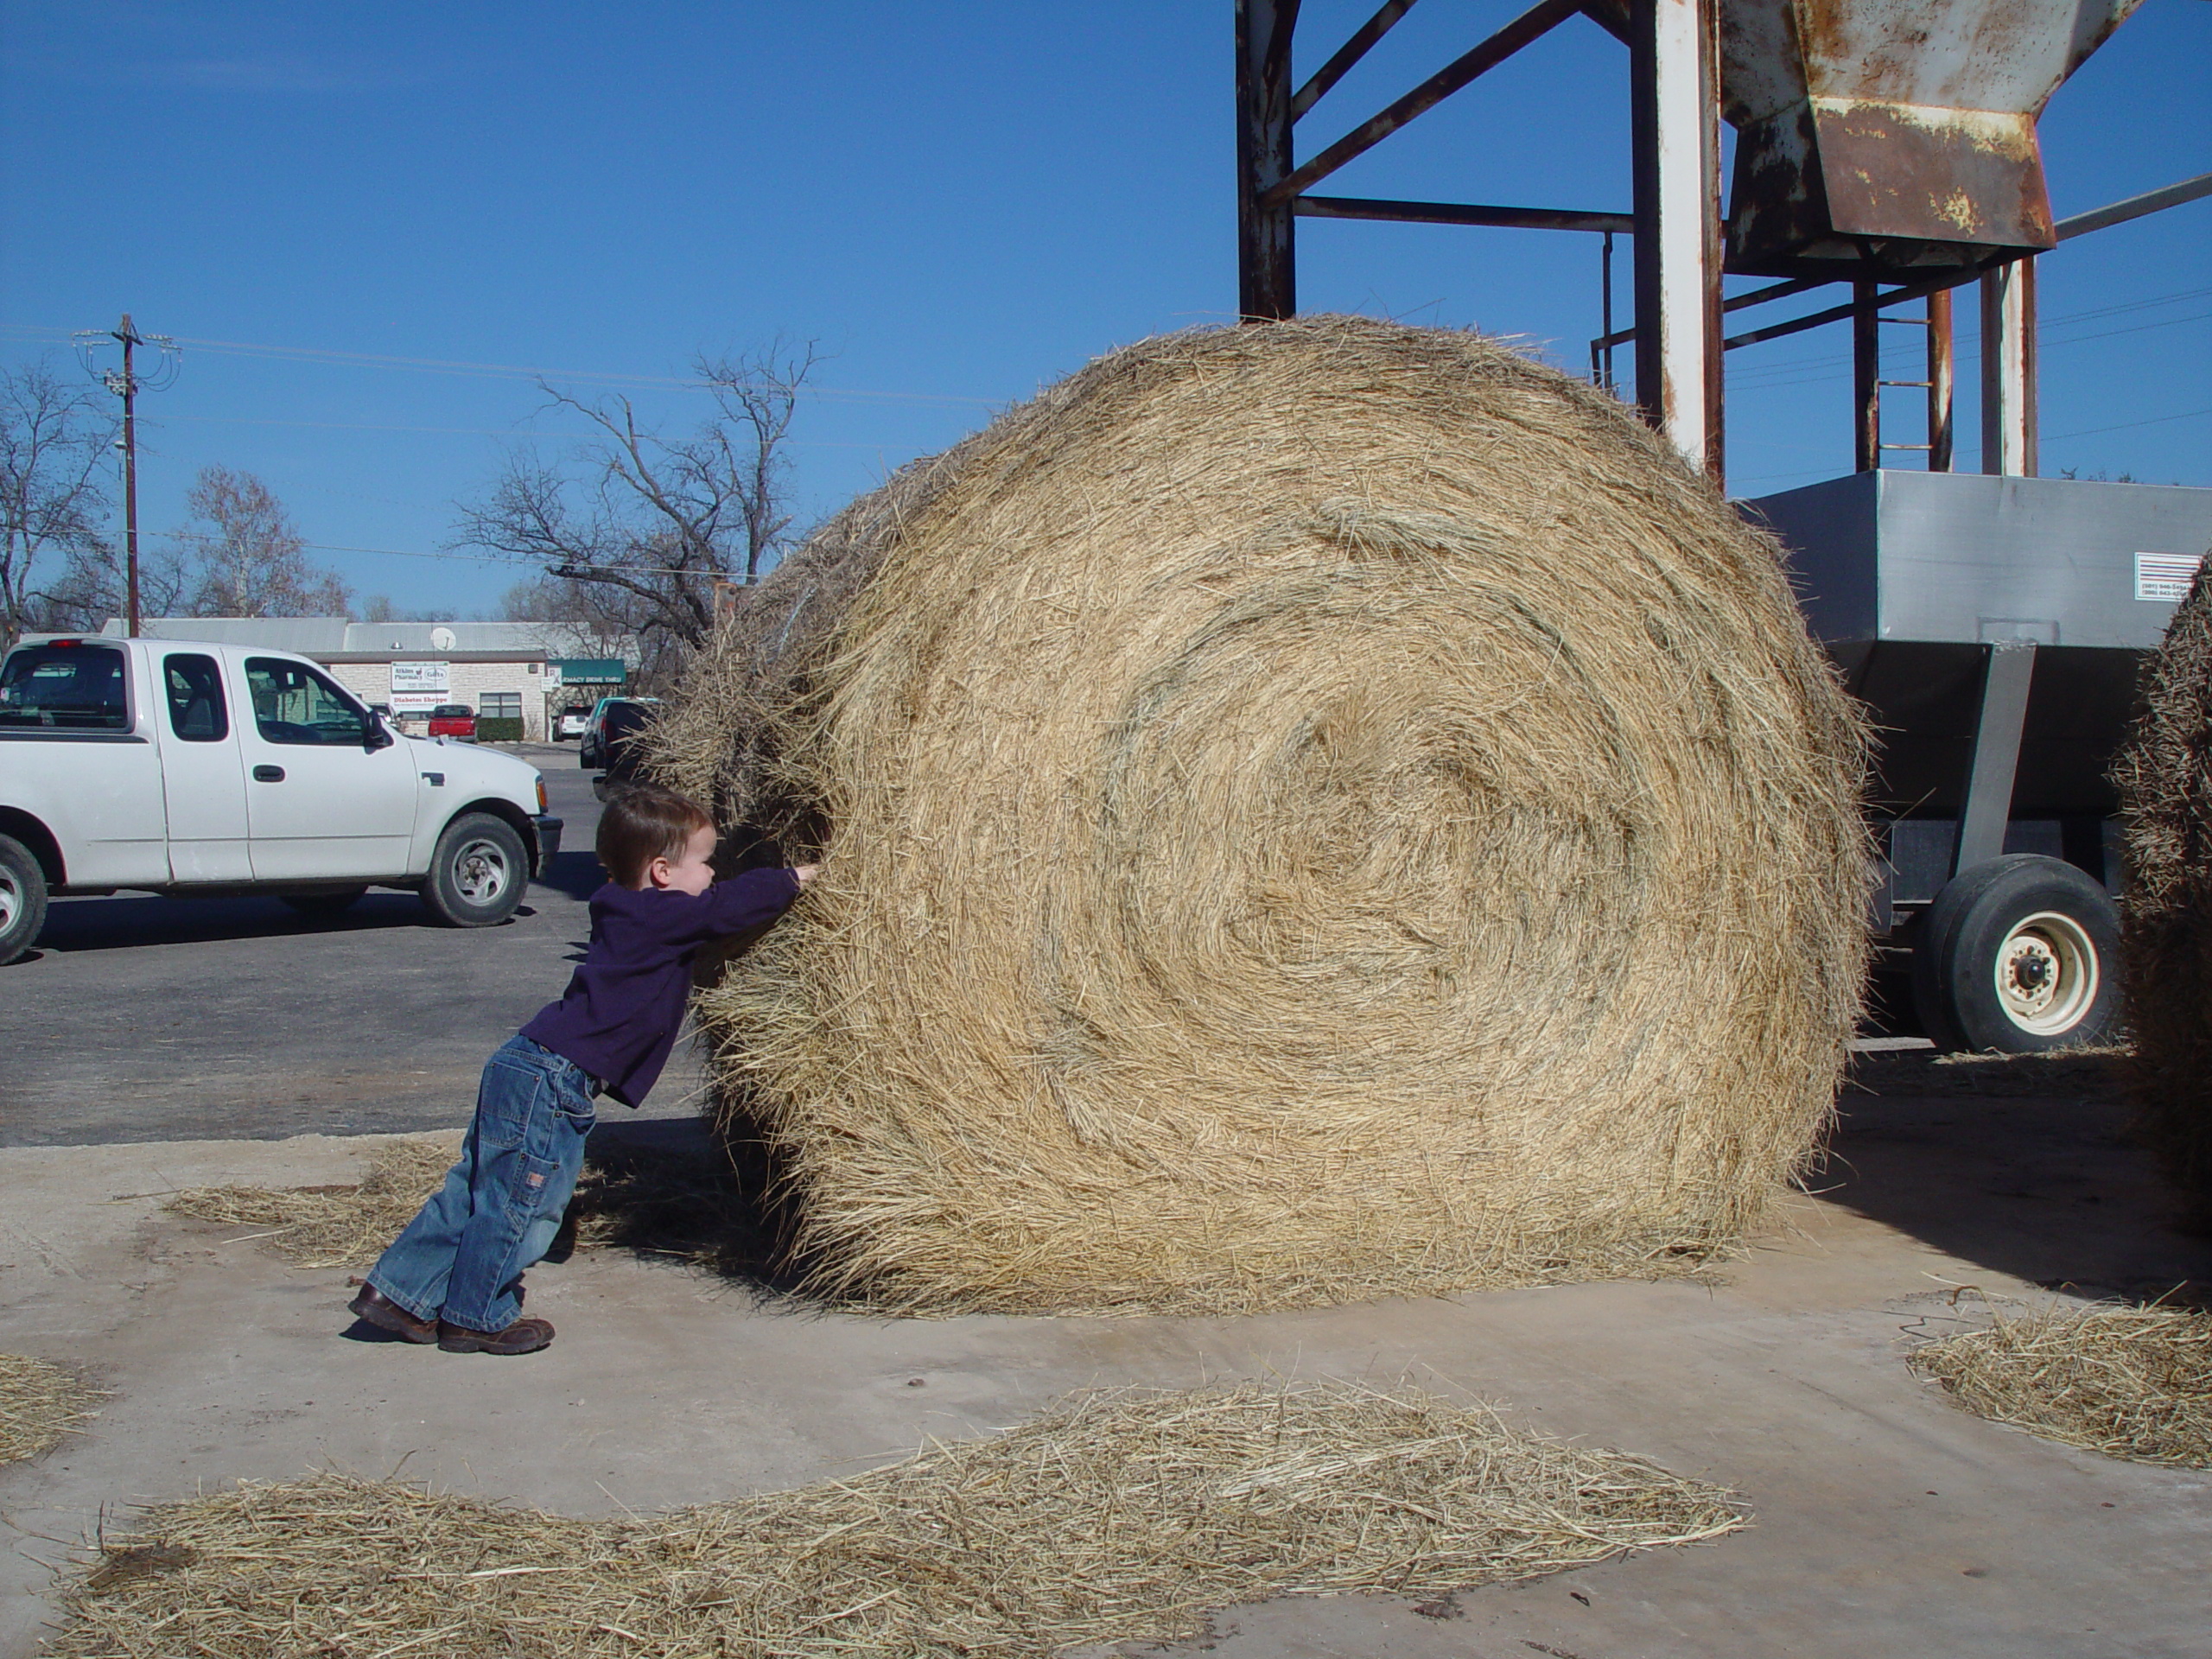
pixel 23 899
pixel 479 874
pixel 2018 955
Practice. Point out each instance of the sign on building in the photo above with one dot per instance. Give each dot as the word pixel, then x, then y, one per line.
pixel 417 687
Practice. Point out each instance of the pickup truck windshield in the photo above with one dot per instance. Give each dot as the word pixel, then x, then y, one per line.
pixel 75 688
pixel 294 704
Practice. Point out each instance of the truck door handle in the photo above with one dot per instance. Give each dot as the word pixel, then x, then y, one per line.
pixel 269 774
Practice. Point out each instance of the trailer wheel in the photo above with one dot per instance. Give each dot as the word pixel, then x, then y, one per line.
pixel 2018 955
pixel 23 899
pixel 477 874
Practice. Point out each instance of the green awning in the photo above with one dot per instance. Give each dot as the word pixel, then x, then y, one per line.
pixel 586 671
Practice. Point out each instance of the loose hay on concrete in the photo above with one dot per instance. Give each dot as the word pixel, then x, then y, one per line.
pixel 2165 777
pixel 2128 1381
pixel 334 1226
pixel 40 1403
pixel 1117 1516
pixel 1307 810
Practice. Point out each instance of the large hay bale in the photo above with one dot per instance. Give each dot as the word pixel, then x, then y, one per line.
pixel 1310 810
pixel 2165 777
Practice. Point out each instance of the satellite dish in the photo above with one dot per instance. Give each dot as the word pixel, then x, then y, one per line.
pixel 441 639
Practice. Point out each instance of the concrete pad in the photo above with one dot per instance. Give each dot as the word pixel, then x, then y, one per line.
pixel 1888 1522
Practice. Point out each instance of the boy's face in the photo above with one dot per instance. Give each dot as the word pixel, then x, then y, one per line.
pixel 689 871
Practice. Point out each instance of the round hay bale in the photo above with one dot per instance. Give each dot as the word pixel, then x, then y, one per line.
pixel 1307 810
pixel 2164 773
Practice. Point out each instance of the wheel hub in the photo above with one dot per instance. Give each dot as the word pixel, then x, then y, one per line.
pixel 2047 974
pixel 11 900
pixel 480 872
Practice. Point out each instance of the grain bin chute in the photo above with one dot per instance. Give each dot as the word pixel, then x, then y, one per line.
pixel 1882 137
pixel 1309 810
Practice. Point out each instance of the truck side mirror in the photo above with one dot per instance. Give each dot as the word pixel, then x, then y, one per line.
pixel 373 735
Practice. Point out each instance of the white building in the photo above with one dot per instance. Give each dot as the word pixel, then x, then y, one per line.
pixel 524 671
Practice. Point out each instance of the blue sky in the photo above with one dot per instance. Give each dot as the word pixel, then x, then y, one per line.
pixel 959 201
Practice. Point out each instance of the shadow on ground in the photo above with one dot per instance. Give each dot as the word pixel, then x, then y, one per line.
pixel 2023 1164
pixel 670 1187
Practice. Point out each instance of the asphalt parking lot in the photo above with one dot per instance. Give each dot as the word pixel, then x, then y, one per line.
pixel 142 1019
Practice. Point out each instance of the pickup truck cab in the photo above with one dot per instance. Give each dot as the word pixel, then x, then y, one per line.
pixel 175 767
pixel 454 719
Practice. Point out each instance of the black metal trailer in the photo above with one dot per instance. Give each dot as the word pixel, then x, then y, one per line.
pixel 1993 626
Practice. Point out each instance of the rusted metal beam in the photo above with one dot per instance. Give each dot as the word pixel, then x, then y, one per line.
pixel 1450 213
pixel 2118 213
pixel 1532 25
pixel 1673 123
pixel 1941 370
pixel 1866 377
pixel 1838 313
pixel 1757 297
pixel 1347 54
pixel 1267 268
pixel 2008 370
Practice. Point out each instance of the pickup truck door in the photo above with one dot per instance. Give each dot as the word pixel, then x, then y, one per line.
pixel 320 806
pixel 203 773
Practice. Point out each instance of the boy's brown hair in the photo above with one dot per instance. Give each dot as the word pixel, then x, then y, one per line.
pixel 643 822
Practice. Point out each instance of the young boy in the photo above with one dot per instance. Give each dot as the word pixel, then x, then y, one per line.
pixel 454 1276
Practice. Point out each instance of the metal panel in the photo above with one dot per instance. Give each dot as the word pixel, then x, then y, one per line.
pixel 1973 559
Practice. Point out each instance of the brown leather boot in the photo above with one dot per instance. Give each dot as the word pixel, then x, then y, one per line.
pixel 523 1337
pixel 376 1308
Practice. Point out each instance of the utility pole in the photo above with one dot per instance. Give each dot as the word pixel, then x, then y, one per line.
pixel 126 385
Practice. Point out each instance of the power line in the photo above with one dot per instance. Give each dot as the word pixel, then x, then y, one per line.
pixel 334 359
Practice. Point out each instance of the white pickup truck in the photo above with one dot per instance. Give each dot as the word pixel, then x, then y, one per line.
pixel 178 767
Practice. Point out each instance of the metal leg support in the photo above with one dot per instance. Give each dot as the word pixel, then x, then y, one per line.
pixel 2005 684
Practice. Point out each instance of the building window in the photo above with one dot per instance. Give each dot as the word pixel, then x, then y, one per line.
pixel 501 705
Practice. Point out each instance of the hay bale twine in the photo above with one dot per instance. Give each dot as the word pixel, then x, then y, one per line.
pixel 1310 810
pixel 2165 776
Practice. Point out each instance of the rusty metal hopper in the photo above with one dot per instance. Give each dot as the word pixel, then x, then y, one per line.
pixel 1879 138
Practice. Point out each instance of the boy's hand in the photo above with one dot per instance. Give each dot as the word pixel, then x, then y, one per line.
pixel 805 871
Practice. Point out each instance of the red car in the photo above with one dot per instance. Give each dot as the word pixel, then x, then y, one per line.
pixel 453 719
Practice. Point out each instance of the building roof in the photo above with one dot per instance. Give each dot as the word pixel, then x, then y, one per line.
pixel 333 636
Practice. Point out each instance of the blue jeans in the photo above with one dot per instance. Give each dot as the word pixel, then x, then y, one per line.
pixel 461 1258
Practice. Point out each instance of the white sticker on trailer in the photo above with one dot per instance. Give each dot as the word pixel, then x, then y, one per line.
pixel 2164 577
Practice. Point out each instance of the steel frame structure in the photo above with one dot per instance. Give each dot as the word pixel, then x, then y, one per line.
pixel 1676 222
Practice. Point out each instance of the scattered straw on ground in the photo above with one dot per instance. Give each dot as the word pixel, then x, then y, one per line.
pixel 1306 811
pixel 1117 1516
pixel 40 1403
pixel 2089 1071
pixel 2130 1382
pixel 331 1226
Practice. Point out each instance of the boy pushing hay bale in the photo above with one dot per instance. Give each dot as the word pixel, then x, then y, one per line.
pixel 1308 810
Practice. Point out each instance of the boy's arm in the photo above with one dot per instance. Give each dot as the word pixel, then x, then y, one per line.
pixel 751 899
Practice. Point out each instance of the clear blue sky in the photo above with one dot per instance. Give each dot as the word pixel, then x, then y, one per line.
pixel 960 201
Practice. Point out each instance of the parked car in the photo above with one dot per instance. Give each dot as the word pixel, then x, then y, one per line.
pixel 571 722
pixel 614 722
pixel 174 767
pixel 454 719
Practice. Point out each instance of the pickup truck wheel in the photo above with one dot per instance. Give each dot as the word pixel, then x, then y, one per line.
pixel 23 899
pixel 477 874
pixel 324 904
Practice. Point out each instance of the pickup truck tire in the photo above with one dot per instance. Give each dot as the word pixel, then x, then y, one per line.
pixel 23 899
pixel 325 904
pixel 479 873
pixel 2018 955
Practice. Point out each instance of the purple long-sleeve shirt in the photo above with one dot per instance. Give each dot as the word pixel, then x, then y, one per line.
pixel 618 1018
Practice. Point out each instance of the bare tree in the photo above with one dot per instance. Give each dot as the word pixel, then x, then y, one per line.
pixel 244 557
pixel 54 437
pixel 669 523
